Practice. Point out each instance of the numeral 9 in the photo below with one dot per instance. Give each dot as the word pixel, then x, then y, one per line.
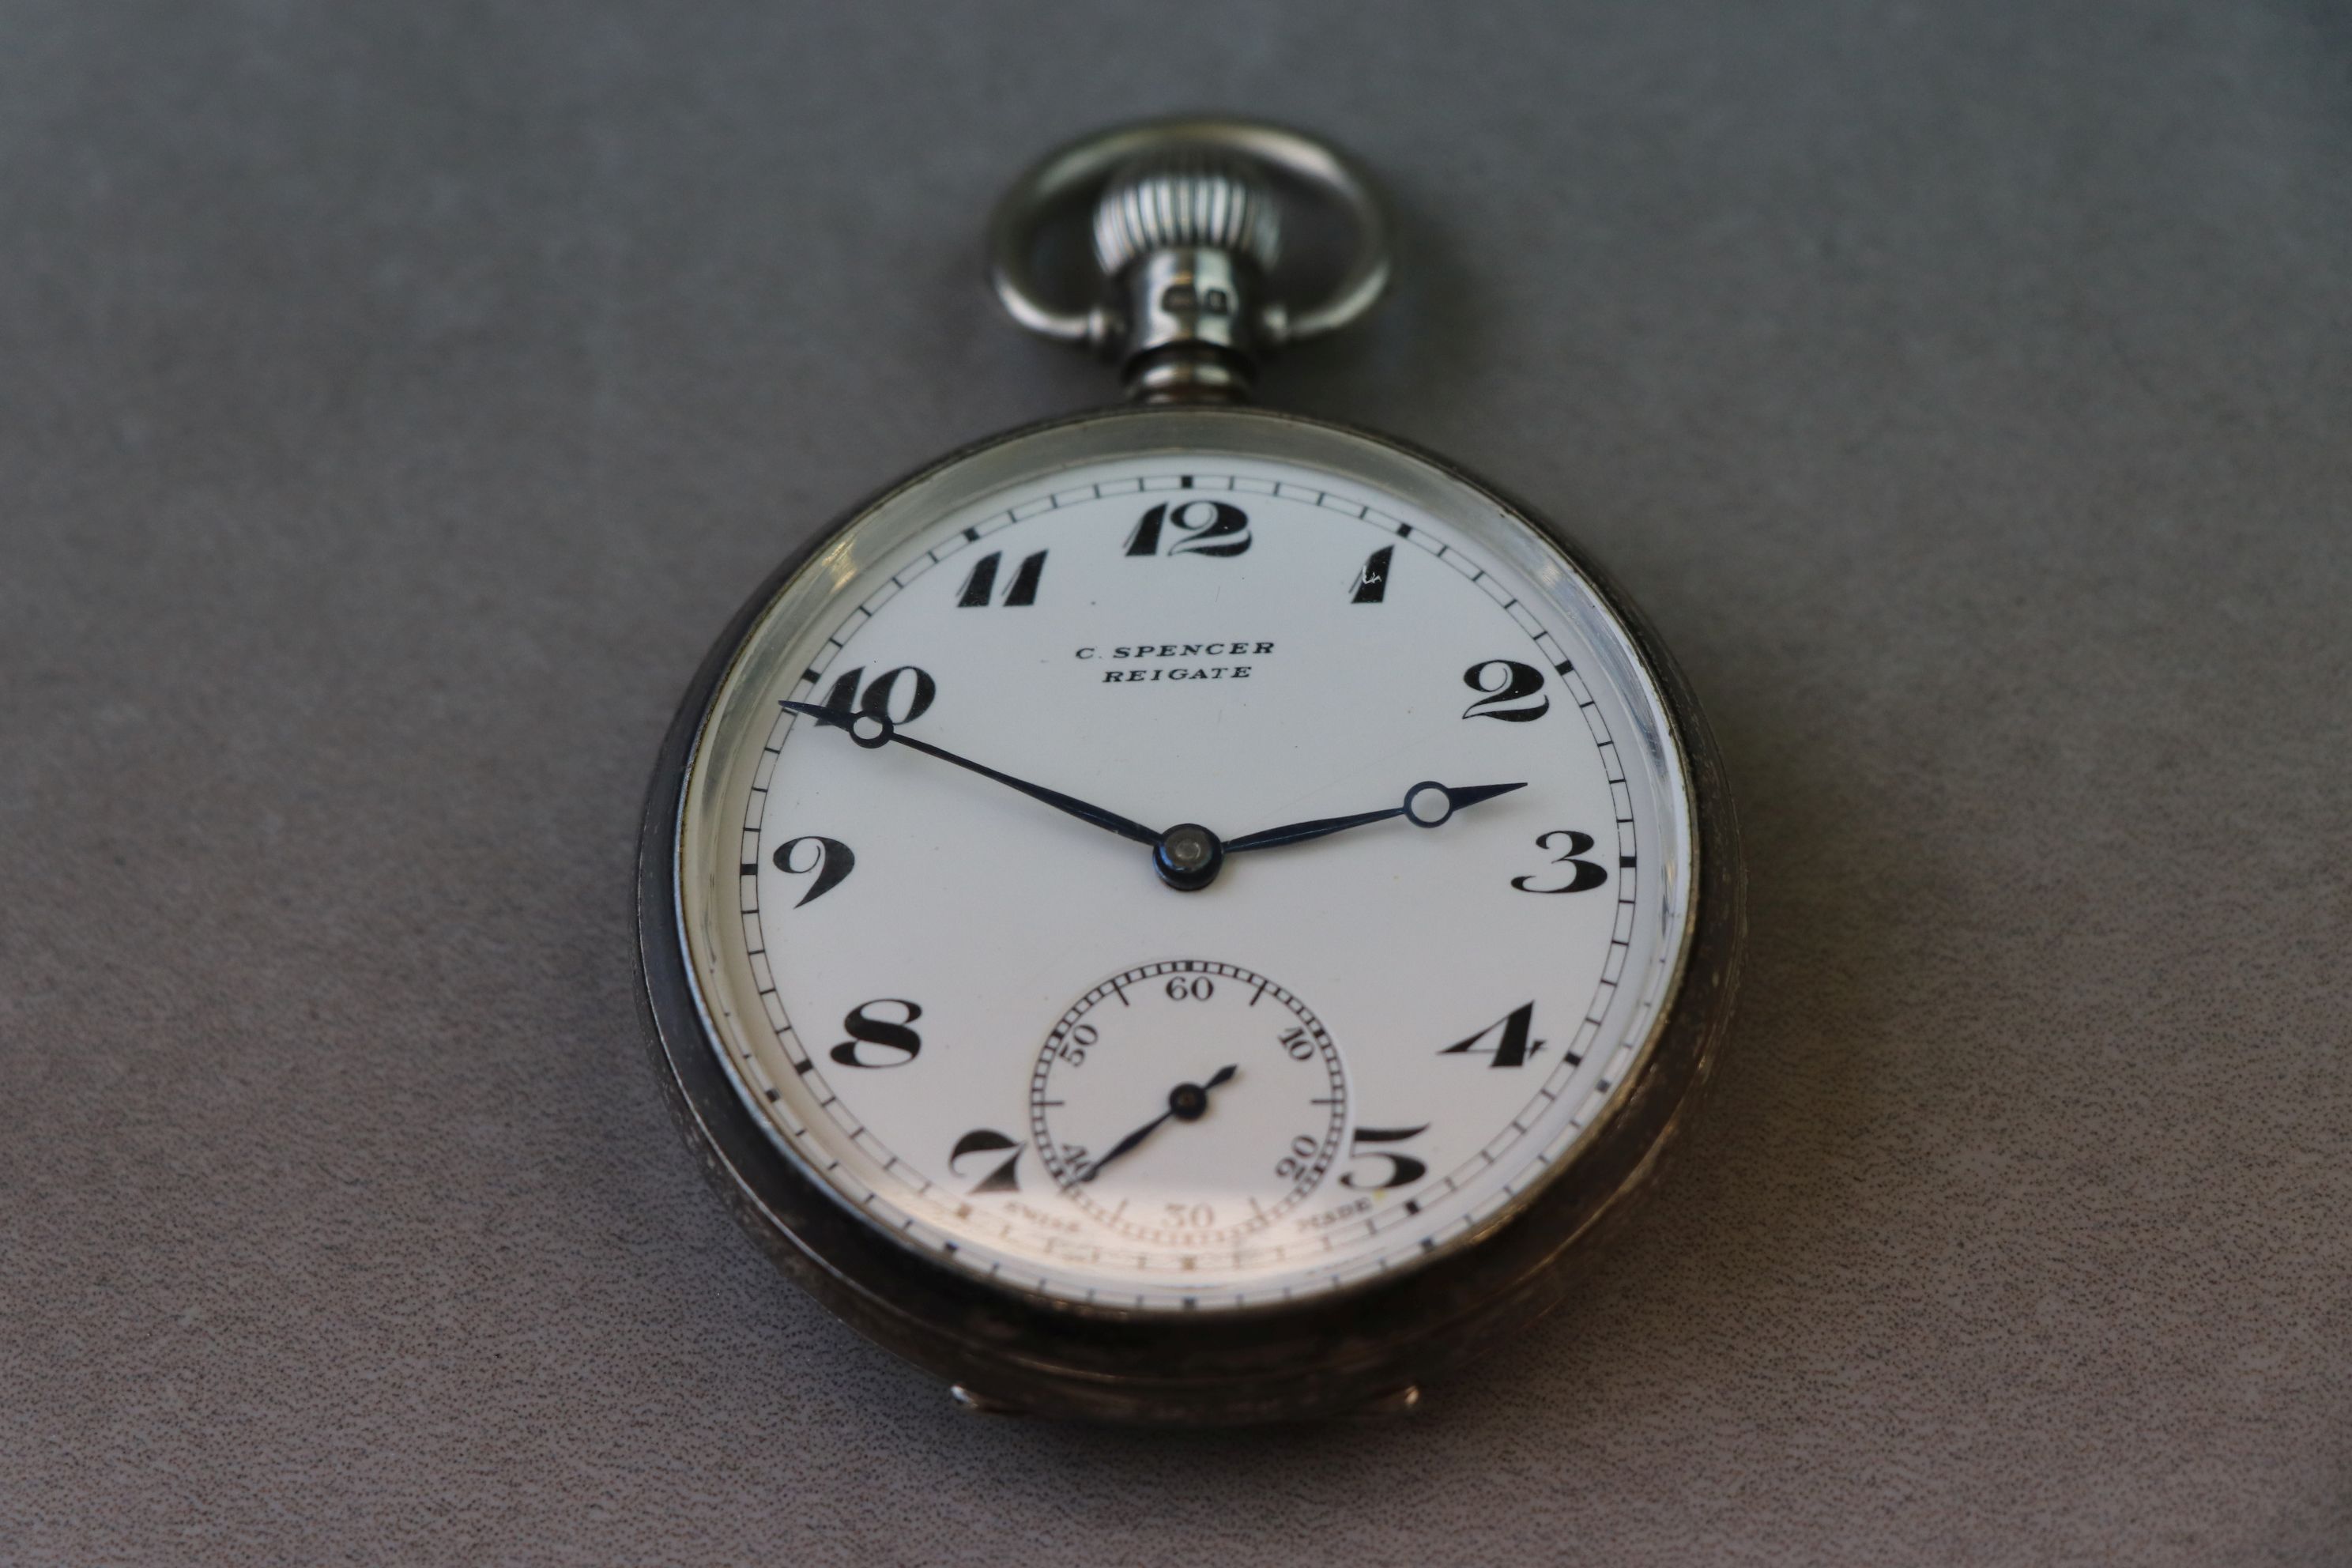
pixel 830 859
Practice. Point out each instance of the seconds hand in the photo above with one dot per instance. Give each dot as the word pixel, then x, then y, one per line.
pixel 1186 1102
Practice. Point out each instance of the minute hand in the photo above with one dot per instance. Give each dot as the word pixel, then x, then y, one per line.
pixel 1299 832
pixel 872 729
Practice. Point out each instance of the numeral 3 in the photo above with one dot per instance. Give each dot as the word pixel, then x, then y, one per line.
pixel 1588 875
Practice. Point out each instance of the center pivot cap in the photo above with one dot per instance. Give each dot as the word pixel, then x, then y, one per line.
pixel 1189 856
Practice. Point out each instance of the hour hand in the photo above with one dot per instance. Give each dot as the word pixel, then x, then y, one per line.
pixel 875 729
pixel 1426 804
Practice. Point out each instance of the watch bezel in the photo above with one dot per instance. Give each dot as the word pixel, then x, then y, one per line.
pixel 1362 1345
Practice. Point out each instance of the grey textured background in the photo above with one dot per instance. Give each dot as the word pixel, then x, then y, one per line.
pixel 394 400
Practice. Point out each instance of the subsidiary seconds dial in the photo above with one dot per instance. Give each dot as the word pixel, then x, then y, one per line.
pixel 1188 1104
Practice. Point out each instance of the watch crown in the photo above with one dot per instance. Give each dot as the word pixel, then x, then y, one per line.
pixel 1185 199
pixel 1186 218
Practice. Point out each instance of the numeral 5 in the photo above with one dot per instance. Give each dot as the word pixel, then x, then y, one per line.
pixel 1402 1170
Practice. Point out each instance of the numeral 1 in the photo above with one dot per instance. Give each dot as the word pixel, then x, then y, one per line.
pixel 1372 581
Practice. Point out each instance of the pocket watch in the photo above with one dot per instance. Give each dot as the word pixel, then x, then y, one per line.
pixel 1186 913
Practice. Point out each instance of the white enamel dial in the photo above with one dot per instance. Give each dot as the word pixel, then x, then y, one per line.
pixel 985 1022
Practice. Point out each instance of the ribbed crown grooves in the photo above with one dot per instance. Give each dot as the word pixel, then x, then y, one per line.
pixel 1185 199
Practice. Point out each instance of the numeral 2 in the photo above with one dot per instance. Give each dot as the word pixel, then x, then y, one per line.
pixel 1205 528
pixel 1005 1178
pixel 867 1034
pixel 1506 684
pixel 1512 1049
pixel 1588 875
pixel 983 581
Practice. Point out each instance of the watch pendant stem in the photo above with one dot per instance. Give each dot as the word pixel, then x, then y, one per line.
pixel 1187 237
pixel 1187 218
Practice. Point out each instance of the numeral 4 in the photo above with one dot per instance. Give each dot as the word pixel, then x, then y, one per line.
pixel 1511 1047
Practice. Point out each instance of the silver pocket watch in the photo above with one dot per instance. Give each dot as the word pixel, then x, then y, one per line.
pixel 1186 913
